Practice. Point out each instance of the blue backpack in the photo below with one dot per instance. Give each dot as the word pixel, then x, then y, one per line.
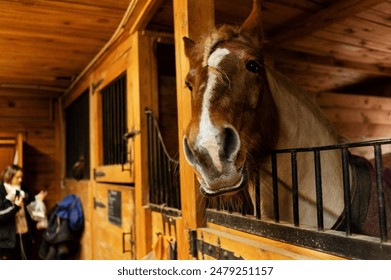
pixel 71 209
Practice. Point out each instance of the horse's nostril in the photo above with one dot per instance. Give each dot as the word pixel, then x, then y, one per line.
pixel 188 151
pixel 231 143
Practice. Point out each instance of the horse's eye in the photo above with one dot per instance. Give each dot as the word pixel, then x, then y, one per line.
pixel 253 66
pixel 188 85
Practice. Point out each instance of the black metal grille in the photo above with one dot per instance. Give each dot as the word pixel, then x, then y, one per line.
pixel 114 122
pixel 164 188
pixel 77 145
pixel 347 245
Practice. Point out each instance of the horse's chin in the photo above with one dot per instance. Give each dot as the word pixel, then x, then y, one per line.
pixel 227 190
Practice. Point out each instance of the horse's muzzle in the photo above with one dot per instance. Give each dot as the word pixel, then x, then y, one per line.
pixel 229 190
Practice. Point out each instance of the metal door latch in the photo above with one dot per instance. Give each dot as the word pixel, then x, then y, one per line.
pixel 98 204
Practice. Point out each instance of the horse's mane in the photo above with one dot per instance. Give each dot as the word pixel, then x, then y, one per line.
pixel 288 94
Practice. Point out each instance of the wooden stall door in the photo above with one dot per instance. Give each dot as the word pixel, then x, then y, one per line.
pixel 113 231
pixel 112 192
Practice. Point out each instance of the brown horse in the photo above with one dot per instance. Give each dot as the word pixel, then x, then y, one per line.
pixel 241 111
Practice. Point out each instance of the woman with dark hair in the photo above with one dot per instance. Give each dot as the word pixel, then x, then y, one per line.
pixel 15 228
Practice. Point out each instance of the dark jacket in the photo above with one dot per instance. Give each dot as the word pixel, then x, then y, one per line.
pixel 7 220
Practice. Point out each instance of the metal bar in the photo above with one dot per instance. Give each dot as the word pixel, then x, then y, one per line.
pixel 150 161
pixel 156 161
pixel 149 156
pixel 117 132
pixel 177 185
pixel 172 184
pixel 124 127
pixel 106 130
pixel 243 210
pixel 380 194
pixel 153 164
pixel 168 182
pixel 275 188
pixel 159 171
pixel 175 182
pixel 218 204
pixel 123 142
pixel 318 185
pixel 337 146
pixel 258 198
pixel 104 125
pixel 152 194
pixel 122 147
pixel 346 191
pixel 295 189
pixel 110 129
pixel 167 186
pixel 121 151
pixel 162 184
pixel 167 211
pixel 154 168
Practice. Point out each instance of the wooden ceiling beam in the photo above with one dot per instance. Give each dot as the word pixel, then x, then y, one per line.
pixel 301 57
pixel 327 16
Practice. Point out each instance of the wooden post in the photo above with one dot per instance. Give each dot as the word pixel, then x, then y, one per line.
pixel 142 93
pixel 191 19
pixel 94 155
pixel 19 148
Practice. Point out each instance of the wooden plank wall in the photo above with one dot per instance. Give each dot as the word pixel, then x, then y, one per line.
pixel 35 114
pixel 358 117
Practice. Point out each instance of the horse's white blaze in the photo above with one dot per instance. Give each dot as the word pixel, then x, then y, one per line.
pixel 208 133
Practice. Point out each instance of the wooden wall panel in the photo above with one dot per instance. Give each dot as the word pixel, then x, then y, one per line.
pixel 7 153
pixel 26 108
pixel 358 118
pixel 36 117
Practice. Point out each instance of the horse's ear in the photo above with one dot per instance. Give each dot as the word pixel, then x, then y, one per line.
pixel 189 46
pixel 252 27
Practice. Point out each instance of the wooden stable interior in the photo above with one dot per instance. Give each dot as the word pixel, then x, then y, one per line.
pixel 56 51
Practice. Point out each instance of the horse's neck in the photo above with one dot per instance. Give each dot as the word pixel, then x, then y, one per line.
pixel 303 125
pixel 298 114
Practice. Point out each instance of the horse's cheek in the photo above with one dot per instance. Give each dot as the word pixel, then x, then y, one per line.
pixel 253 98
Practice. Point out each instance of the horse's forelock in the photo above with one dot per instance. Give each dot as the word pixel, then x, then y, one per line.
pixel 219 35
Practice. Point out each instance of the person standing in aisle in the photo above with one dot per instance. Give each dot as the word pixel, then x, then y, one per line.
pixel 16 228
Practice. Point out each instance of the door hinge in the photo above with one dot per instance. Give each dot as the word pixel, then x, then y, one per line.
pixel 98 204
pixel 96 85
pixel 130 134
pixel 130 241
pixel 98 173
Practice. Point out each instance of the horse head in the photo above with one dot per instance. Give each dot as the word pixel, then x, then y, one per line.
pixel 234 122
